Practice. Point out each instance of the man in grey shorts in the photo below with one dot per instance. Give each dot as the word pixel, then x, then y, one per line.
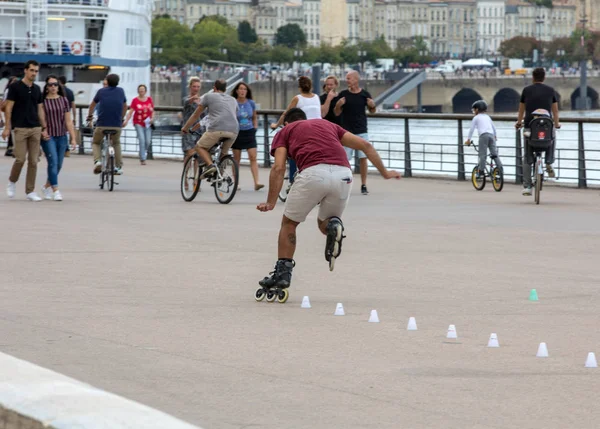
pixel 222 124
pixel 324 179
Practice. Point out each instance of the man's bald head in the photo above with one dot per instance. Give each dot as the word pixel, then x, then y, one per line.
pixel 352 78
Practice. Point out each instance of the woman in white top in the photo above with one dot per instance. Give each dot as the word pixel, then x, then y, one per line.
pixel 310 104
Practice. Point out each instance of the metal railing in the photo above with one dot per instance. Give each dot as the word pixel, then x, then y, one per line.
pixel 23 45
pixel 415 144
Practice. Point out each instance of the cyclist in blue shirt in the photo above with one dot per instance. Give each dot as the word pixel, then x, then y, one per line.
pixel 114 106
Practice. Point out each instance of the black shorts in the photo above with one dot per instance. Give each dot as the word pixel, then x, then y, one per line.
pixel 246 139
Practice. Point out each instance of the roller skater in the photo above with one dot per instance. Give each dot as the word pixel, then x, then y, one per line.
pixel 324 179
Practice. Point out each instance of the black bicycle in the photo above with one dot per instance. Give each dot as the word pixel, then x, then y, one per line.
pixel 494 172
pixel 225 180
pixel 107 174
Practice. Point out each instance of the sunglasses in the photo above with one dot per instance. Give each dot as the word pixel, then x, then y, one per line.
pixel 53 84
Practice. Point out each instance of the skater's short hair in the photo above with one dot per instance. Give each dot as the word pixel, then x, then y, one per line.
pixel 293 115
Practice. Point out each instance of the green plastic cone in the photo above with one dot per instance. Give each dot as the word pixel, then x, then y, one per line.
pixel 533 295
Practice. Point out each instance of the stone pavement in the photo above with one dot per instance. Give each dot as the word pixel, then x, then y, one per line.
pixel 149 297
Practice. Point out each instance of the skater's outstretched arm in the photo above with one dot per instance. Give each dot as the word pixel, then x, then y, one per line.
pixel 354 142
pixel 275 180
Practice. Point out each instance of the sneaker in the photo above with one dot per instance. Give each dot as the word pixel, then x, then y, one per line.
pixel 550 171
pixel 118 171
pixel 57 196
pixel 32 196
pixel 97 167
pixel 210 170
pixel 11 189
pixel 363 190
pixel 258 186
pixel 526 192
pixel 479 174
pixel 47 193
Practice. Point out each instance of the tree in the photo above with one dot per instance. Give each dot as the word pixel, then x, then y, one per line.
pixel 282 55
pixel 329 54
pixel 246 33
pixel 211 37
pixel 216 18
pixel 519 47
pixel 553 50
pixel 174 39
pixel 290 35
pixel 259 52
pixel 542 3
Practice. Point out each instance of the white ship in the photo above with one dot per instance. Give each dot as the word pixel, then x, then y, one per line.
pixel 83 40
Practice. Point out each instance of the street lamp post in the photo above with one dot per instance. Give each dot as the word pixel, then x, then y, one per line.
pixel 539 20
pixel 361 55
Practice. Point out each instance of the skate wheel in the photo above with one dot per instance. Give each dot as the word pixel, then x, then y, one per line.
pixel 271 295
pixel 283 296
pixel 260 294
pixel 331 263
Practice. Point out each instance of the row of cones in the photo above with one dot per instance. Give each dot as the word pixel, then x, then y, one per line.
pixel 452 334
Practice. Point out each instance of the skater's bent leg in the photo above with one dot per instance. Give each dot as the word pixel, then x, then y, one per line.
pixel 322 224
pixel 287 238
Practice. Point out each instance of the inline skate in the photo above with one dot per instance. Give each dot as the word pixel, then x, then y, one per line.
pixel 275 287
pixel 335 235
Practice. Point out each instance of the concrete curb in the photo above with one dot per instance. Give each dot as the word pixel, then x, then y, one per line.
pixel 33 397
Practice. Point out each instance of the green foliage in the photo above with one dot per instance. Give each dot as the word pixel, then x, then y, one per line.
pixel 290 35
pixel 174 39
pixel 519 47
pixel 282 54
pixel 542 3
pixel 246 33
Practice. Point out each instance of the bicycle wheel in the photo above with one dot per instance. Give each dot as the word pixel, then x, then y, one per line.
pixel 478 184
pixel 190 179
pixel 102 179
pixel 497 179
pixel 226 186
pixel 538 180
pixel 111 173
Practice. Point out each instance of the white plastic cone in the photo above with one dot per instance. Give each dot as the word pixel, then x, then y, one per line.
pixel 339 310
pixel 305 302
pixel 451 332
pixel 493 342
pixel 412 324
pixel 591 361
pixel 374 318
pixel 542 350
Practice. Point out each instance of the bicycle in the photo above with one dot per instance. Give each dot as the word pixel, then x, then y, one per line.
pixel 225 180
pixel 540 137
pixel 107 174
pixel 491 170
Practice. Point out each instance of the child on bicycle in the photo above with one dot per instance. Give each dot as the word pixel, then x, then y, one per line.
pixel 487 135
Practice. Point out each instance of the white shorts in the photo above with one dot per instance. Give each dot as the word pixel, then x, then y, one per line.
pixel 327 184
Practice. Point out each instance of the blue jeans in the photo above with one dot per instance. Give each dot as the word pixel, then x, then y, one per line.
pixel 55 149
pixel 293 169
pixel 144 136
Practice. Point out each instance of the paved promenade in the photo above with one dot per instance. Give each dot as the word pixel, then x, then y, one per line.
pixel 144 295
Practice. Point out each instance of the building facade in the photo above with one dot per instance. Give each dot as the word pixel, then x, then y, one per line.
pixel 450 28
pixel 174 8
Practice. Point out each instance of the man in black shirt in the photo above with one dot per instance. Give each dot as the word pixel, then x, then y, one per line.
pixel 537 96
pixel 25 117
pixel 327 100
pixel 351 104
